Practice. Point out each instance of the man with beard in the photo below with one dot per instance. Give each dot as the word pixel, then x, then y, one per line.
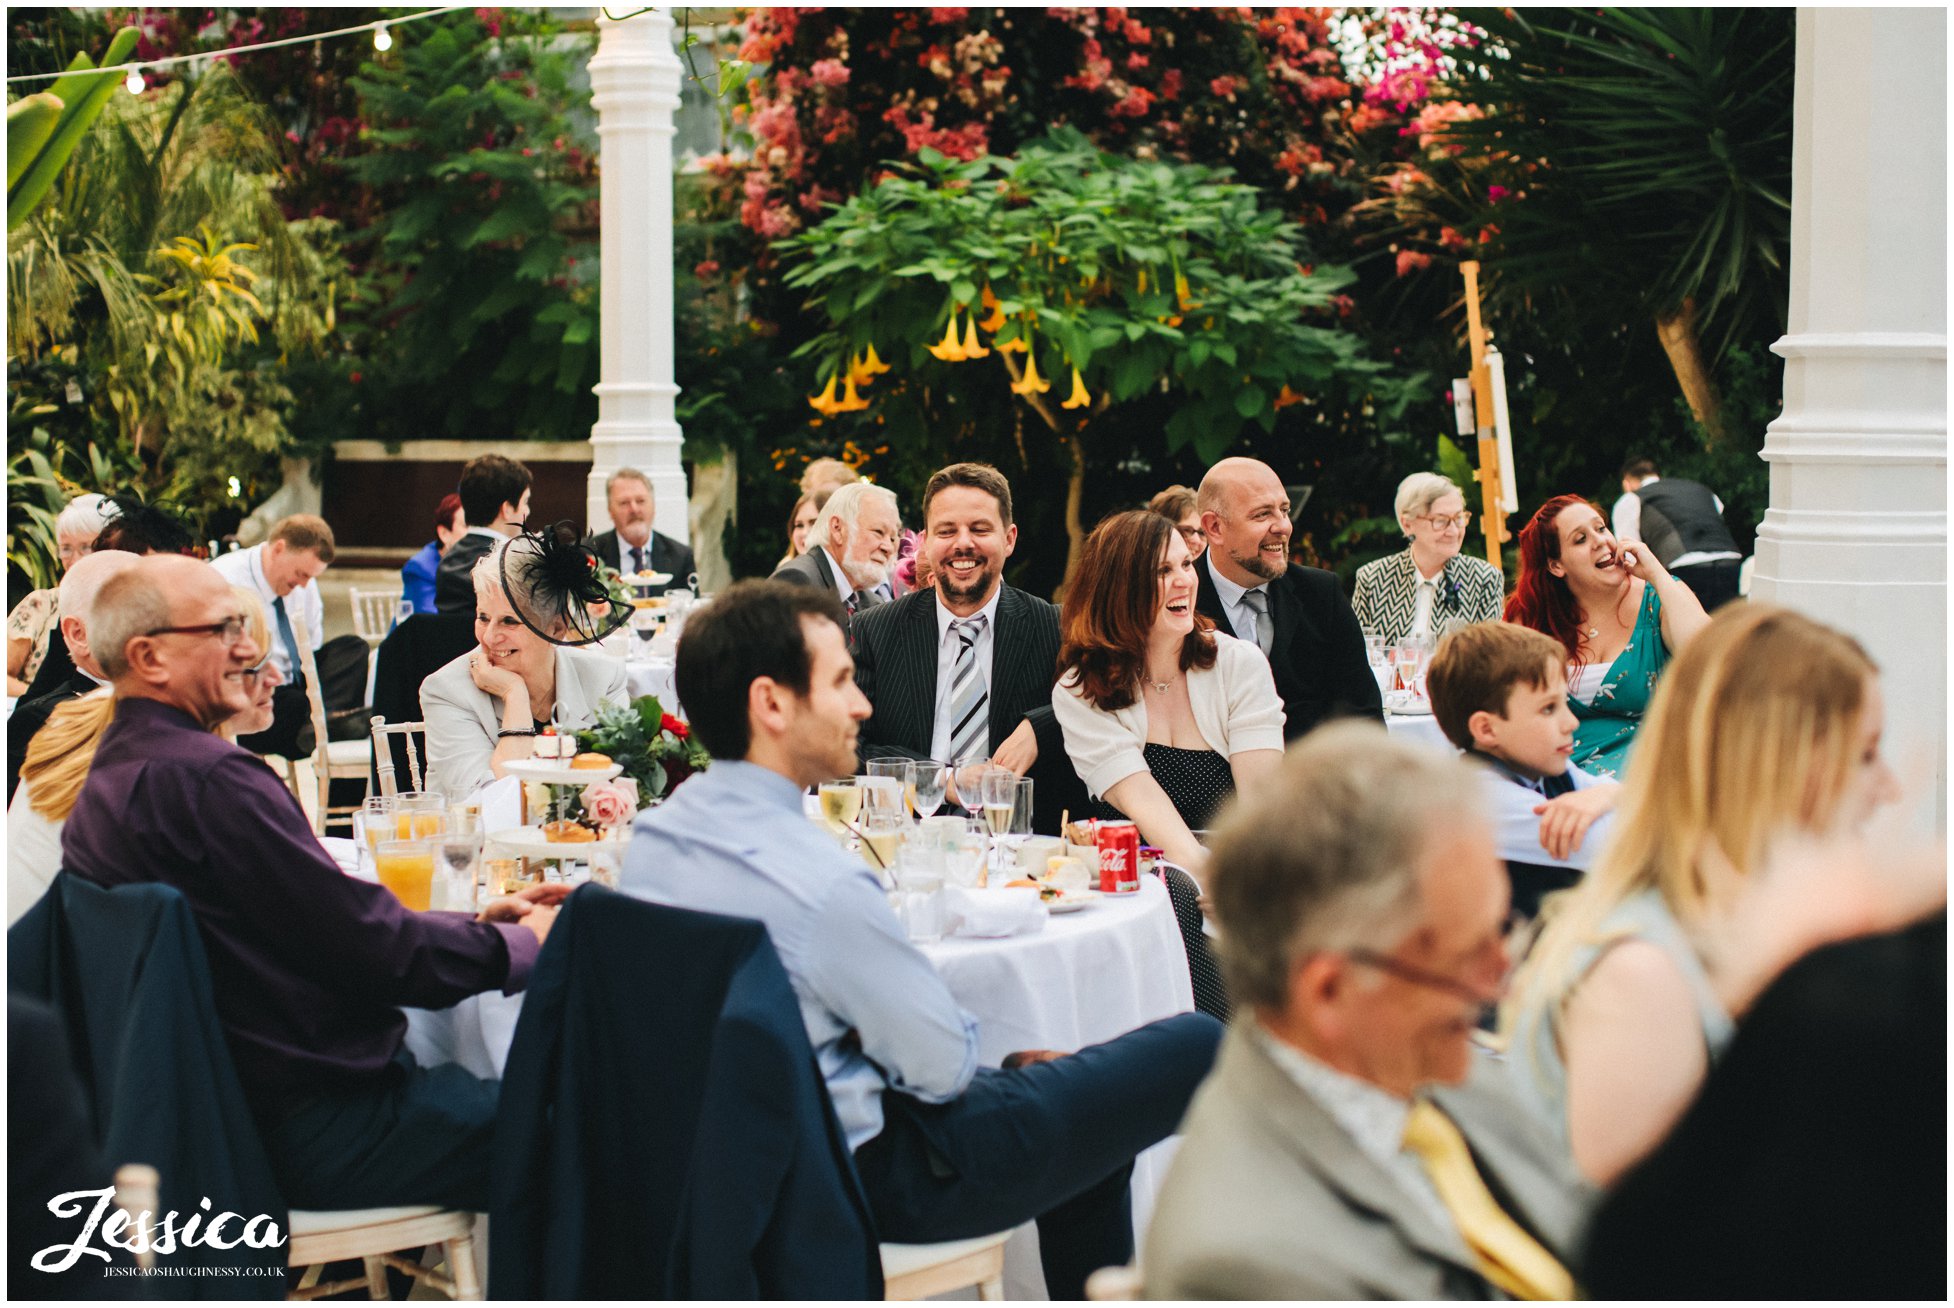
pixel 850 547
pixel 1297 616
pixel 962 673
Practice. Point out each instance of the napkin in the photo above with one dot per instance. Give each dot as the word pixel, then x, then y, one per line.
pixel 346 853
pixel 501 803
pixel 993 913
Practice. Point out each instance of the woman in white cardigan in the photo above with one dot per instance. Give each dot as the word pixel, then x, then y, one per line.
pixel 1163 716
pixel 484 709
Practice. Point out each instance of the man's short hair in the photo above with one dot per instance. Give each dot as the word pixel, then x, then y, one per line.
pixel 82 584
pixel 752 630
pixel 131 604
pixel 845 505
pixel 1639 467
pixel 488 482
pixel 1476 668
pixel 977 476
pixel 304 533
pixel 629 474
pixel 1324 854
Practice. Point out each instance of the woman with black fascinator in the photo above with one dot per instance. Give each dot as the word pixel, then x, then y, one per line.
pixel 538 597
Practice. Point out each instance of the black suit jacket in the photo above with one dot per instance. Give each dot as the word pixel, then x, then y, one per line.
pixel 454 586
pixel 895 666
pixel 1318 656
pixel 30 715
pixel 667 555
pixel 1813 1165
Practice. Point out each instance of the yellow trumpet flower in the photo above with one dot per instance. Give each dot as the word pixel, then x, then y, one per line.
pixel 871 365
pixel 1031 383
pixel 1016 346
pixel 825 403
pixel 972 347
pixel 1078 399
pixel 1286 397
pixel 994 319
pixel 948 349
pixel 850 401
pixel 1143 281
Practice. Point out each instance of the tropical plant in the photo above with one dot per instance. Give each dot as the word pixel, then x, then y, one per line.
pixel 44 128
pixel 1117 279
pixel 1636 165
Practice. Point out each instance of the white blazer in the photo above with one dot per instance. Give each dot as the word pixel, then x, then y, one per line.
pixel 1235 705
pixel 463 719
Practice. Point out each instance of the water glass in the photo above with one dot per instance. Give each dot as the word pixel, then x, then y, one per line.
pixel 965 851
pixel 1021 812
pixel 919 882
pixel 457 867
pixel 927 782
pixel 374 822
pixel 890 774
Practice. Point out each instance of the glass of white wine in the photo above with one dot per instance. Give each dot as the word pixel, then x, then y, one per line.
pixel 927 783
pixel 841 803
pixel 1000 795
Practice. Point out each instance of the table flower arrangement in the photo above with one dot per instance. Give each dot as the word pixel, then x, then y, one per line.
pixel 655 749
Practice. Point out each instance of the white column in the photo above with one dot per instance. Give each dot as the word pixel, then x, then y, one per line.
pixel 634 81
pixel 1856 533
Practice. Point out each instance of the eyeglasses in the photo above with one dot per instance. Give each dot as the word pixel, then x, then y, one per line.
pixel 1192 535
pixel 1418 976
pixel 230 630
pixel 1459 520
pixel 264 666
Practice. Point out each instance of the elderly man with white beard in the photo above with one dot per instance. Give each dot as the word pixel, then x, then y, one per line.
pixel 851 547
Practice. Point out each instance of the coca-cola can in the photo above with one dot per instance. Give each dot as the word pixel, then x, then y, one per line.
pixel 1119 858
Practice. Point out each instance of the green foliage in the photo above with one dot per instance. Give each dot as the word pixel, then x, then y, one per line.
pixel 42 476
pixel 654 748
pixel 482 281
pixel 1124 276
pixel 75 101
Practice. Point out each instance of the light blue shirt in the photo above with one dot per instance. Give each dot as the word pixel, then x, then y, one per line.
pixel 1516 827
pixel 733 840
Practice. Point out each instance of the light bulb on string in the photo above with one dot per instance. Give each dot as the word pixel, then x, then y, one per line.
pixel 133 83
pixel 382 38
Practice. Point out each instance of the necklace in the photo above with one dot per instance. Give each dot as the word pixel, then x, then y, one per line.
pixel 1160 687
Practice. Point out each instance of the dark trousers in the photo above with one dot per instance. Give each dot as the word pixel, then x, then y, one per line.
pixel 1715 582
pixel 420 1135
pixel 290 733
pixel 1053 1141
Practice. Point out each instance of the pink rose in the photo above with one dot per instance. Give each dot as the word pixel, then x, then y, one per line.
pixel 611 803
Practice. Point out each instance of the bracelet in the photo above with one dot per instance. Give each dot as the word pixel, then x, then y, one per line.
pixel 520 731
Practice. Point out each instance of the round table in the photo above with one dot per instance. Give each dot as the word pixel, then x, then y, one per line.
pixel 1421 727
pixel 654 677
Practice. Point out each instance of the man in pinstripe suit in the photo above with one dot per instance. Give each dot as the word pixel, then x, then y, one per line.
pixel 963 672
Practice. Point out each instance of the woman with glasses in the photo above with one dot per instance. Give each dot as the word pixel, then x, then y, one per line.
pixel 1736 850
pixel 1616 611
pixel 1428 588
pixel 59 756
pixel 1177 504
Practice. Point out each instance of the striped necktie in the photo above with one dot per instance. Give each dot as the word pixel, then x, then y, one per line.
pixel 970 698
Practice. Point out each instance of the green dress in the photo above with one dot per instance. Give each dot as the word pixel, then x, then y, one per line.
pixel 1607 726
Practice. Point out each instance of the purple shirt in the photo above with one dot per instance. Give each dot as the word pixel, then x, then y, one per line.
pixel 308 964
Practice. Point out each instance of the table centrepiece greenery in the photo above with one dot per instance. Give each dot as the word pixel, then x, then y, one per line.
pixel 654 748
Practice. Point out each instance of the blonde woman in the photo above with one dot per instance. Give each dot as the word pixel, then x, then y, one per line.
pixel 59 756
pixel 1765 732
pixel 1429 587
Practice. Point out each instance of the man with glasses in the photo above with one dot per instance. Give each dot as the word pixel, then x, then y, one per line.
pixel 79 587
pixel 1296 616
pixel 307 964
pixel 1352 1142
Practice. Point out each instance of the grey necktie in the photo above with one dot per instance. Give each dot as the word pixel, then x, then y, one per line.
pixel 637 558
pixel 969 697
pixel 288 640
pixel 1265 630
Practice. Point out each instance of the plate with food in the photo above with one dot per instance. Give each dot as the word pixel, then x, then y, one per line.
pixel 1056 899
pixel 648 578
pixel 561 839
pixel 580 770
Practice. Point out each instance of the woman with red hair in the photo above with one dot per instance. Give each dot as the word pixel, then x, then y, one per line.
pixel 1615 610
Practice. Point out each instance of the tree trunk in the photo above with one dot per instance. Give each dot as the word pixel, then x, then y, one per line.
pixel 1677 332
pixel 1075 529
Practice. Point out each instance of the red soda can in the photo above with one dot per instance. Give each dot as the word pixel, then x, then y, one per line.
pixel 1119 858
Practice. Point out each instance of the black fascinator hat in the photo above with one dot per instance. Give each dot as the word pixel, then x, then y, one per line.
pixel 557 587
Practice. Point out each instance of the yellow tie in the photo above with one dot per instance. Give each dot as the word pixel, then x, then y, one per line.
pixel 1510 1258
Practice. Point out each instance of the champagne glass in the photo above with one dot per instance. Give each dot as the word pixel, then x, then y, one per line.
pixel 999 789
pixel 841 802
pixel 926 784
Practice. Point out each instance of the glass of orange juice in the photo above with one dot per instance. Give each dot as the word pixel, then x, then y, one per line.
pixel 406 867
pixel 419 814
pixel 374 820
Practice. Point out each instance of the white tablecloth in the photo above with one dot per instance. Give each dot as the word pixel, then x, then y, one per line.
pixel 1087 977
pixel 1420 727
pixel 654 677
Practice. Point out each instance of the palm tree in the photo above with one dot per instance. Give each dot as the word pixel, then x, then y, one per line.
pixel 1650 155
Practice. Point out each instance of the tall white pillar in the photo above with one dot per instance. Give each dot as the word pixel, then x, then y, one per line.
pixel 634 81
pixel 1856 533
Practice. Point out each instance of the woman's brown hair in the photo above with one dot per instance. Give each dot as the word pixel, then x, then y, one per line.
pixel 1110 607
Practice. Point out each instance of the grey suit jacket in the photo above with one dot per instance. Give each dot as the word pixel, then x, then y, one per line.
pixel 1268 1198
pixel 814 568
pixel 462 719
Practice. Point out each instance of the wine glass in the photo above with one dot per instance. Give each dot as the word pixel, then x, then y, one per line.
pixel 970 781
pixel 890 775
pixel 841 803
pixel 927 782
pixel 999 791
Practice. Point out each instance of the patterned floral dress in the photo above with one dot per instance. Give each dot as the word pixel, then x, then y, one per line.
pixel 34 620
pixel 1607 727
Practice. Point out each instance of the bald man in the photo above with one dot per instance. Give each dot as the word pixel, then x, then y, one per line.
pixel 83 581
pixel 307 965
pixel 1296 616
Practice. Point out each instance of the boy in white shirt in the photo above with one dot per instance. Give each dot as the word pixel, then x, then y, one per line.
pixel 1499 692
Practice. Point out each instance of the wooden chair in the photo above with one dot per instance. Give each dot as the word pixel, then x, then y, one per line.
pixel 137 1194
pixel 922 1271
pixel 1113 1285
pixel 331 759
pixel 376 1236
pixel 383 754
pixel 373 613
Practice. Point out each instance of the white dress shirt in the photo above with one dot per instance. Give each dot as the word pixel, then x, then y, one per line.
pixel 1373 1119
pixel 1424 598
pixel 1240 616
pixel 844 587
pixel 947 647
pixel 1516 827
pixel 246 568
pixel 1628 526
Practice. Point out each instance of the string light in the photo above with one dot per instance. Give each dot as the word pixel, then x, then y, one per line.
pixel 133 83
pixel 382 38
